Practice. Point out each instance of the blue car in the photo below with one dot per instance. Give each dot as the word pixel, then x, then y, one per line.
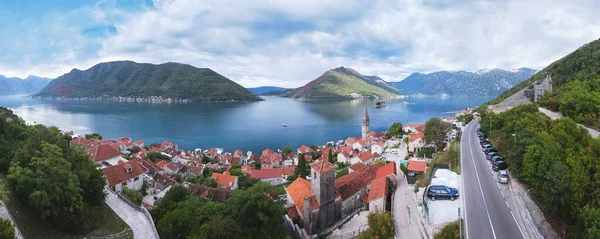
pixel 441 192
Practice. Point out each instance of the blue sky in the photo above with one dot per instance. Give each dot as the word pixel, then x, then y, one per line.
pixel 288 43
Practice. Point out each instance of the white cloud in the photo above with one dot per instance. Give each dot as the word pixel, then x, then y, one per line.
pixel 288 43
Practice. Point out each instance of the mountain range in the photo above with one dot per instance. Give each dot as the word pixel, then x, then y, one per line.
pixel 265 89
pixel 131 79
pixel 341 83
pixel 17 86
pixel 487 82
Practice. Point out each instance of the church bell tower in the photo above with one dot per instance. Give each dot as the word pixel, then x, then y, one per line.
pixel 365 124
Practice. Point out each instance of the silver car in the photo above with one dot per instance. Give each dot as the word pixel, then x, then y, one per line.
pixel 502 176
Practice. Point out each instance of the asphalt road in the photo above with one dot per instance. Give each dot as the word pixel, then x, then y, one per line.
pixel 487 212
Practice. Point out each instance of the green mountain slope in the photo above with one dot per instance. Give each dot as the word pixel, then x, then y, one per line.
pixel 340 83
pixel 576 85
pixel 130 79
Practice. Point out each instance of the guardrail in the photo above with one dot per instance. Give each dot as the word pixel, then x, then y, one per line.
pixel 17 231
pixel 528 216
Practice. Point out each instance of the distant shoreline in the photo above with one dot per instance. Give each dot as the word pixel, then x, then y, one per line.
pixel 151 99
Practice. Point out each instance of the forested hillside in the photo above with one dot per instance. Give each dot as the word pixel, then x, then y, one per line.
pixel 558 159
pixel 576 85
pixel 57 180
pixel 131 79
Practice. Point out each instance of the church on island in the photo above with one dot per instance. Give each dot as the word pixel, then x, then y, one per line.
pixel 320 202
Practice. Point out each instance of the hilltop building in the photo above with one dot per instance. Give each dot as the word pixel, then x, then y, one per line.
pixel 540 87
pixel 365 124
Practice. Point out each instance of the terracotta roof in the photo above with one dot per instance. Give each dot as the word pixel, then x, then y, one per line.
pixel 387 170
pixel 351 140
pixel 325 151
pixel 118 173
pixel 236 160
pixel 175 167
pixel 314 203
pixel 365 156
pixel 293 213
pixel 254 158
pixel 213 194
pixel 357 166
pixel 162 163
pixel 304 149
pixel 271 172
pixel 266 152
pixel 103 152
pixel 347 149
pixel 364 197
pixel 194 169
pixel 351 183
pixel 415 136
pixel 298 191
pixel 376 155
pixel 164 180
pixel 247 168
pixel 361 142
pixel 224 179
pixel 419 166
pixel 80 141
pixel 153 168
pixel 212 151
pixel 379 188
pixel 238 153
pixel 139 142
pixel 323 166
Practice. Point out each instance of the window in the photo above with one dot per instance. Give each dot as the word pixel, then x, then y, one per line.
pixel 136 178
pixel 315 175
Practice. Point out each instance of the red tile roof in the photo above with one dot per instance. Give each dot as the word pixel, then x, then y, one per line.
pixel 351 140
pixel 139 142
pixel 415 136
pixel 314 203
pixel 162 163
pixel 379 188
pixel 224 179
pixel 212 151
pixel 238 153
pixel 80 141
pixel 419 166
pixel 323 166
pixel 118 173
pixel 153 168
pixel 304 149
pixel 175 167
pixel 387 170
pixel 298 191
pixel 325 151
pixel 103 152
pixel 365 156
pixel 271 172
pixel 213 194
pixel 351 183
pixel 164 180
pixel 357 166
pixel 247 168
pixel 293 213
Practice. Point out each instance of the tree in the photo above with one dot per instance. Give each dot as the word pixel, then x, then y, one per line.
pixel 256 212
pixel 93 136
pixel 341 172
pixel 134 196
pixel 301 169
pixel 591 219
pixel 7 231
pixel 330 156
pixel 144 189
pixel 287 150
pixel 205 159
pixel 257 165
pixel 395 131
pixel 381 225
pixel 245 181
pixel 435 132
pixel 153 156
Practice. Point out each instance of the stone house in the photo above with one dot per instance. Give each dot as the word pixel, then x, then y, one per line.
pixel 540 87
pixel 126 174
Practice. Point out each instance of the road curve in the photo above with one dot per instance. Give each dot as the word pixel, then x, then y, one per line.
pixel 487 214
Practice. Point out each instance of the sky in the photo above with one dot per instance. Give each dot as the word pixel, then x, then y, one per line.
pixel 291 42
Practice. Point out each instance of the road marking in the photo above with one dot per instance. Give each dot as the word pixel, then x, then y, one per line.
pixel 513 215
pixel 507 204
pixel 462 182
pixel 480 188
pixel 502 194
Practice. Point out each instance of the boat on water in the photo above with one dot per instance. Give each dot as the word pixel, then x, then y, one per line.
pixel 407 103
pixel 380 104
pixel 284 125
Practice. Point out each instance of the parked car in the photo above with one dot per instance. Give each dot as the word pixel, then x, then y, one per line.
pixel 502 176
pixel 496 159
pixel 478 129
pixel 486 146
pixel 441 192
pixel 484 141
pixel 499 165
pixel 490 149
pixel 490 155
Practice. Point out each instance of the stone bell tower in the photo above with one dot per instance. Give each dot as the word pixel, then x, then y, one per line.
pixel 365 124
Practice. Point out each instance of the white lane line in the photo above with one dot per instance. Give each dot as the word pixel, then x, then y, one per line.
pixel 507 204
pixel 502 194
pixel 462 182
pixel 513 215
pixel 480 188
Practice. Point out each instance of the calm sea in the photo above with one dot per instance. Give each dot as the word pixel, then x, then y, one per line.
pixel 248 126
